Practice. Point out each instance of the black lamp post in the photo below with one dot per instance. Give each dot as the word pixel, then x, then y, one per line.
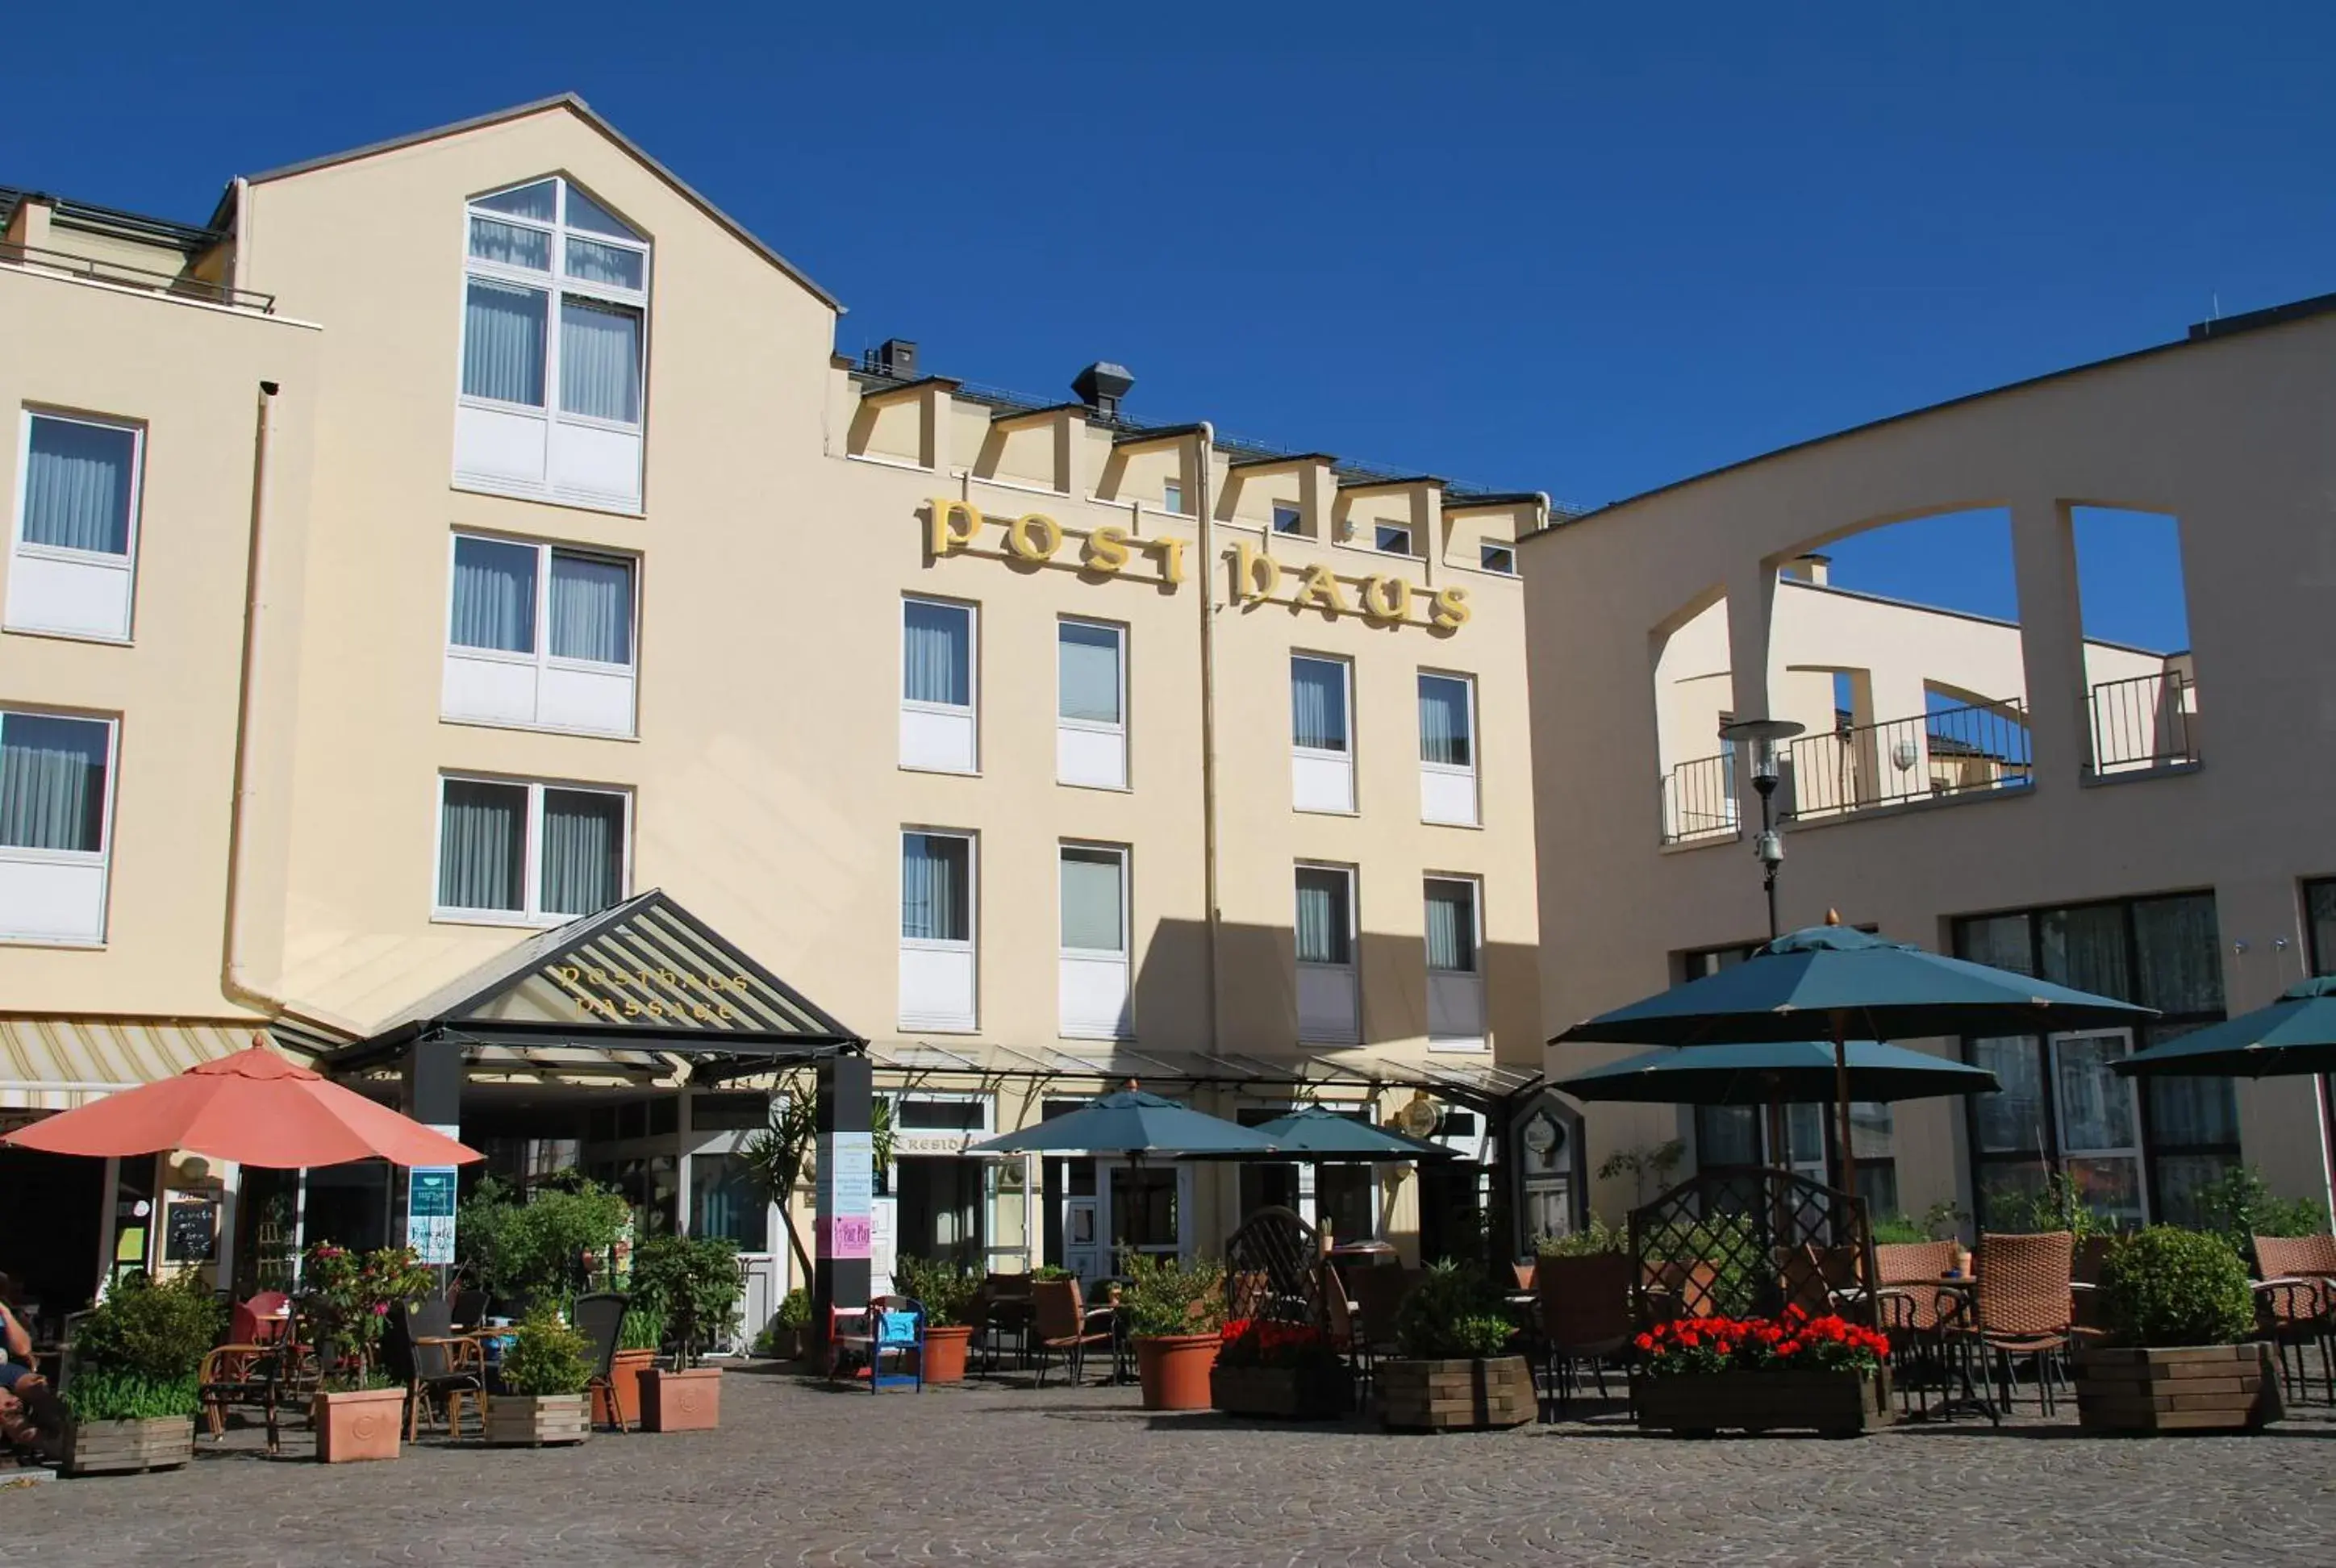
pixel 1755 741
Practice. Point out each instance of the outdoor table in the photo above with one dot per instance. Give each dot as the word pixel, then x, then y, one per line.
pixel 1960 1286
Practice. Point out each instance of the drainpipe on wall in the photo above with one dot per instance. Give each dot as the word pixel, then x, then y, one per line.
pixel 1208 575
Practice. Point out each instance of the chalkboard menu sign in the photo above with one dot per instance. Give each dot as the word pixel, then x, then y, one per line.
pixel 191 1230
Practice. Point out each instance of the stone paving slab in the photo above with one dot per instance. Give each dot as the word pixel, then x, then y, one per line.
pixel 1080 1478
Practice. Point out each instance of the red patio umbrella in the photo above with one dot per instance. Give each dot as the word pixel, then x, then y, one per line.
pixel 253 1107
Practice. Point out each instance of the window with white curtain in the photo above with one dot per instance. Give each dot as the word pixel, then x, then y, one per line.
pixel 519 851
pixel 554 315
pixel 1455 970
pixel 76 526
pixel 1321 739
pixel 1093 989
pixel 938 962
pixel 540 636
pixel 1091 704
pixel 56 812
pixel 1329 1005
pixel 1447 748
pixel 939 729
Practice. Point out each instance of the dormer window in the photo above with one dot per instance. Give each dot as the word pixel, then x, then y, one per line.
pixel 554 323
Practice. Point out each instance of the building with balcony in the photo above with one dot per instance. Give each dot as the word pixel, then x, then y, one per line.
pixel 2017 794
pixel 462 607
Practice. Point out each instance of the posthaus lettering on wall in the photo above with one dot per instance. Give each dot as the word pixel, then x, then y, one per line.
pixel 954 528
pixel 622 995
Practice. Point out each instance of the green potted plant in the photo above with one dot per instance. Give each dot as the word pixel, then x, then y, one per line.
pixel 698 1280
pixel 137 1361
pixel 945 1292
pixel 545 1246
pixel 2180 1352
pixel 545 1373
pixel 1701 1375
pixel 358 1410
pixel 1175 1313
pixel 1286 1371
pixel 1453 1370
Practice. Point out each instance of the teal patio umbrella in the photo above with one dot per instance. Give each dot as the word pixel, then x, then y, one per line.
pixel 1842 984
pixel 1139 1126
pixel 1788 1072
pixel 2292 1037
pixel 1316 1134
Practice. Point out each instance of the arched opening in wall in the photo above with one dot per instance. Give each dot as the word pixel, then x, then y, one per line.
pixel 1898 648
pixel 2142 697
pixel 1694 696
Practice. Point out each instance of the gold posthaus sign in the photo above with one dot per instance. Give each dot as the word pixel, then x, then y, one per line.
pixel 601 990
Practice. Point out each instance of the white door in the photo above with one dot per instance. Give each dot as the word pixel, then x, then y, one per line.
pixel 2100 1123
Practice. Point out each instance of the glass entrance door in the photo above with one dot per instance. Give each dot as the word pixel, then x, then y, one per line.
pixel 2100 1124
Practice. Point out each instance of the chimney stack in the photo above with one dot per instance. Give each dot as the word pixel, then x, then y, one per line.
pixel 1101 385
pixel 897 358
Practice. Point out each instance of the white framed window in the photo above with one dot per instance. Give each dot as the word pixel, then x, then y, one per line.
pixel 938 965
pixel 1391 538
pixel 940 725
pixel 1500 557
pixel 1090 703
pixel 522 852
pixel 1455 963
pixel 1321 733
pixel 56 825
pixel 1447 748
pixel 551 398
pixel 74 547
pixel 1329 1002
pixel 1288 518
pixel 540 635
pixel 1093 988
pixel 1172 496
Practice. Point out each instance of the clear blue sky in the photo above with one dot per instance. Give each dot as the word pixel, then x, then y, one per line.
pixel 1585 249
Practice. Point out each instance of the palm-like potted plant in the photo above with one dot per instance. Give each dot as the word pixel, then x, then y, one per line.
pixel 2180 1352
pixel 346 1297
pixel 698 1280
pixel 544 1373
pixel 1175 1313
pixel 945 1292
pixel 1454 1369
pixel 137 1385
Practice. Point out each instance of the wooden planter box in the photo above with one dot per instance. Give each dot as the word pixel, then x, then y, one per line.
pixel 1837 1404
pixel 1456 1396
pixel 108 1447
pixel 1283 1393
pixel 2188 1389
pixel 688 1401
pixel 517 1418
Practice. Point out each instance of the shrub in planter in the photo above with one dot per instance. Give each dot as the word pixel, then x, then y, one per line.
pixel 2178 1354
pixel 358 1412
pixel 1289 1371
pixel 698 1280
pixel 1700 1375
pixel 138 1361
pixel 1453 1370
pixel 1174 1312
pixel 945 1292
pixel 545 1372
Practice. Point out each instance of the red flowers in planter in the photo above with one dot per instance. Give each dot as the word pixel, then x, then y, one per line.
pixel 1264 1342
pixel 1794 1342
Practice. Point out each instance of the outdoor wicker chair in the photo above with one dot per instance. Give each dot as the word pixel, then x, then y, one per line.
pixel 2295 1303
pixel 2021 1305
pixel 1584 1318
pixel 1341 1321
pixel 1063 1323
pixel 1907 1308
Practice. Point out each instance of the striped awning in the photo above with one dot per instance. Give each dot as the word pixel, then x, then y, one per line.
pixel 57 1064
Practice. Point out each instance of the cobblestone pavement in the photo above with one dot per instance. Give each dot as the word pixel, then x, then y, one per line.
pixel 1005 1474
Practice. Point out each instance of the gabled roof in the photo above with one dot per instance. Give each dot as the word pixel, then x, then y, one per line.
pixel 582 111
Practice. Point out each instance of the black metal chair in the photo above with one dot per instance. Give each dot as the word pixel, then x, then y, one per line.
pixel 601 1319
pixel 419 1349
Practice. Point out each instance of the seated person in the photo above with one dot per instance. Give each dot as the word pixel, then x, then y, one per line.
pixel 31 1416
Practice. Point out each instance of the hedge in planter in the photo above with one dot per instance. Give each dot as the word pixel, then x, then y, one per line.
pixel 1703 1374
pixel 1451 1371
pixel 2179 1354
pixel 945 1292
pixel 136 1385
pixel 358 1410
pixel 545 1371
pixel 1282 1371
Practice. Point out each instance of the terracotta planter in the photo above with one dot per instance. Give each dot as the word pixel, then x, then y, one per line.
pixel 2190 1389
pixel 625 1373
pixel 681 1401
pixel 366 1425
pixel 1456 1395
pixel 1174 1369
pixel 1837 1404
pixel 103 1447
pixel 945 1353
pixel 1322 1393
pixel 533 1419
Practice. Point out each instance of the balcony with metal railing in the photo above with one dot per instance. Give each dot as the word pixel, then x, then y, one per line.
pixel 96 270
pixel 1950 752
pixel 1698 800
pixel 2143 724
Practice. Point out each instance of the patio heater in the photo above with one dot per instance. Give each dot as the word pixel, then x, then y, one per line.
pixel 1755 742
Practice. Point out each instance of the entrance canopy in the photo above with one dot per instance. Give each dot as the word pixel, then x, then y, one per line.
pixel 633 987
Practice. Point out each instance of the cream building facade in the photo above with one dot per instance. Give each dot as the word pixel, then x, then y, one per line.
pixel 458 539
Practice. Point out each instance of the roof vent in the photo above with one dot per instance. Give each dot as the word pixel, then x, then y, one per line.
pixel 1101 385
pixel 896 357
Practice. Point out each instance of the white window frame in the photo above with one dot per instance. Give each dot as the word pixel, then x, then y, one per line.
pixel 1352 968
pixel 531 874
pixel 1381 529
pixel 100 859
pixel 970 710
pixel 1172 496
pixel 971 945
pixel 1487 548
pixel 22 549
pixel 1312 760
pixel 1087 726
pixel 1433 775
pixel 542 659
pixel 1291 510
pixel 1473 975
pixel 1124 956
